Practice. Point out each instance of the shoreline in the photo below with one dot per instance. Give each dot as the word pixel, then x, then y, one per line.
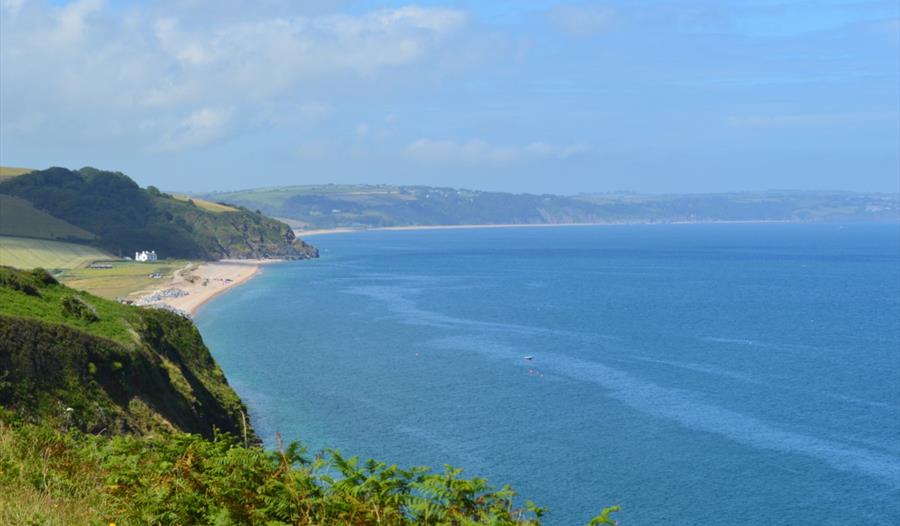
pixel 207 281
pixel 347 230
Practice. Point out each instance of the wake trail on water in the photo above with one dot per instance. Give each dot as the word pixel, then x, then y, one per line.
pixel 676 405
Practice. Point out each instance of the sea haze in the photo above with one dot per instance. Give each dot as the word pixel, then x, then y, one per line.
pixel 693 374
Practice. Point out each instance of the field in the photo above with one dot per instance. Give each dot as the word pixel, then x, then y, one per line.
pixel 124 278
pixel 206 205
pixel 8 172
pixel 19 218
pixel 29 253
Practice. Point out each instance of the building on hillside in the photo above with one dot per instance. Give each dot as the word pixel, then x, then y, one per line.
pixel 144 256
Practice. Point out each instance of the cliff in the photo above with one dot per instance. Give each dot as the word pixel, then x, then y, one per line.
pixel 76 361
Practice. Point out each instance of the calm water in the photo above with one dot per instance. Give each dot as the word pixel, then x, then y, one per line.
pixel 693 374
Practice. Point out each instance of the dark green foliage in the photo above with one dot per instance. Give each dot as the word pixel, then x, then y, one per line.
pixel 75 307
pixel 127 218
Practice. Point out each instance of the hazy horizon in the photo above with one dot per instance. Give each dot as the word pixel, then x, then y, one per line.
pixel 535 97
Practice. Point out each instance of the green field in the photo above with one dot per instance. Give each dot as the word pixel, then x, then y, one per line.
pixel 20 252
pixel 19 218
pixel 123 279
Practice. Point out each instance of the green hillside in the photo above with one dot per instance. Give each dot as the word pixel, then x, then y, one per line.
pixel 19 218
pixel 363 206
pixel 126 218
pixel 118 368
pixel 26 253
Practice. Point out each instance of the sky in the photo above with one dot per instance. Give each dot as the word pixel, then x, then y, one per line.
pixel 515 95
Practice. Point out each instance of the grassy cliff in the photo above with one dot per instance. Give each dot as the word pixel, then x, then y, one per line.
pixel 125 218
pixel 77 361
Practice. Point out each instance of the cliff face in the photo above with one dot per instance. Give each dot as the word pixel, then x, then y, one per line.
pixel 77 361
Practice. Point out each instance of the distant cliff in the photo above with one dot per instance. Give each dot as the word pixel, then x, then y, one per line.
pixel 77 361
pixel 124 218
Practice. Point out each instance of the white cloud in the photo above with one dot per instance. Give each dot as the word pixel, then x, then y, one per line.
pixel 480 152
pixel 201 127
pixel 92 65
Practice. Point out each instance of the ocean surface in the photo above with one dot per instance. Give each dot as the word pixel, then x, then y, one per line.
pixel 692 374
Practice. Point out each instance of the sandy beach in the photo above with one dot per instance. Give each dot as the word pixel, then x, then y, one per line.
pixel 344 230
pixel 201 283
pixel 307 233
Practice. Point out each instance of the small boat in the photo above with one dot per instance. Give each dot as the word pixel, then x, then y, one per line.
pixel 529 357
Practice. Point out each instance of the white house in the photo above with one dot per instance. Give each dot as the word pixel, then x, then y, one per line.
pixel 145 256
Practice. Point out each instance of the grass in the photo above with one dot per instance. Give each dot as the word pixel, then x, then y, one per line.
pixel 19 218
pixel 114 320
pixel 209 206
pixel 8 172
pixel 26 253
pixel 124 278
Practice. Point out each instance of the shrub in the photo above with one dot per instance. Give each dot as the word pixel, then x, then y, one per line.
pixel 75 307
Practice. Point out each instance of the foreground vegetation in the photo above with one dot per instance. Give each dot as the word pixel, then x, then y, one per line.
pixel 51 477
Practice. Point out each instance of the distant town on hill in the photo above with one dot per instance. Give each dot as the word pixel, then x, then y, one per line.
pixel 375 206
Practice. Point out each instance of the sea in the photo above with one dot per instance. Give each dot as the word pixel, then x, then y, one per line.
pixel 692 374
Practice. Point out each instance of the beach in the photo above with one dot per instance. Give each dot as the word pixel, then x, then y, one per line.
pixel 194 285
pixel 344 230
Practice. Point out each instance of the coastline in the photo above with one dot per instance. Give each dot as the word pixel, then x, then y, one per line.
pixel 345 230
pixel 211 279
pixel 205 282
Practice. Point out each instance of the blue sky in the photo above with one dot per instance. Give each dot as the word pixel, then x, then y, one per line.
pixel 542 96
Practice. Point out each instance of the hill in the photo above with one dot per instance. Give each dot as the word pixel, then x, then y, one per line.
pixel 19 218
pixel 126 218
pixel 26 253
pixel 364 206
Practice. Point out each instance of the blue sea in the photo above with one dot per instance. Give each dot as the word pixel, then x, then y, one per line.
pixel 692 374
